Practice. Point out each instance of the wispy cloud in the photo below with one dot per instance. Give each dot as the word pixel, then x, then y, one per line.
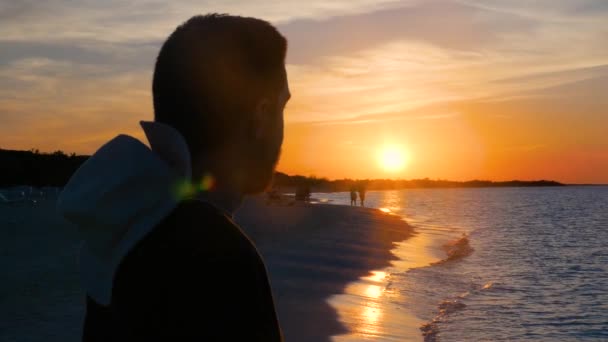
pixel 118 21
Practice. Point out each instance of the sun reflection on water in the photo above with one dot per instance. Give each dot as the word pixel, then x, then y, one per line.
pixel 370 318
pixel 376 276
pixel 373 291
pixel 371 314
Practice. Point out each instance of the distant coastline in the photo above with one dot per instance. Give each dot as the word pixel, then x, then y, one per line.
pixel 325 185
pixel 36 168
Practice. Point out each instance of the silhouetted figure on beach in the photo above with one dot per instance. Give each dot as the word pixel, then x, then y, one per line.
pixel 303 193
pixel 163 258
pixel 362 196
pixel 353 197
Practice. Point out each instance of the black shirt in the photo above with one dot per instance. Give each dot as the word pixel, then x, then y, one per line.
pixel 195 277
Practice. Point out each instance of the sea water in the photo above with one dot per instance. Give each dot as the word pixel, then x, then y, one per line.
pixel 492 264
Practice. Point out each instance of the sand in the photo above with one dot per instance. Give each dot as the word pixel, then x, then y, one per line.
pixel 40 294
pixel 315 253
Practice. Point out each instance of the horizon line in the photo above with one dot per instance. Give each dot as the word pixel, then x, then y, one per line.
pixel 441 180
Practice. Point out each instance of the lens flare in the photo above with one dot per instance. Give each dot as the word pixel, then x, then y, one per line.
pixel 184 189
pixel 207 182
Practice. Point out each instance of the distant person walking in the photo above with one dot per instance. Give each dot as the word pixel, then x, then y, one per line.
pixel 163 259
pixel 353 197
pixel 362 195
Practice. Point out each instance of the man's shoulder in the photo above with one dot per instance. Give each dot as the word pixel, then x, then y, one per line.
pixel 193 234
pixel 181 248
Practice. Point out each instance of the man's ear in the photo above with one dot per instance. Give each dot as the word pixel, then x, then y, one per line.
pixel 261 116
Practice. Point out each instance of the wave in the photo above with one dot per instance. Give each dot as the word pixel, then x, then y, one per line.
pixel 456 249
pixel 430 330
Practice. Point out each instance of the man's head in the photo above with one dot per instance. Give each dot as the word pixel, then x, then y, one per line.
pixel 220 81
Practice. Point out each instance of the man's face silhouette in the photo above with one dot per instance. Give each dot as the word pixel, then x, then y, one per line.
pixel 263 151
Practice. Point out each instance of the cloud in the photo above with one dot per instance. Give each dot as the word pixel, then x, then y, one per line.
pixel 445 24
pixel 391 61
pixel 112 56
pixel 556 11
pixel 116 21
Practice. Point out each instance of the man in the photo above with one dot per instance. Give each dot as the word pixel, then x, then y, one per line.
pixel 362 191
pixel 353 196
pixel 162 258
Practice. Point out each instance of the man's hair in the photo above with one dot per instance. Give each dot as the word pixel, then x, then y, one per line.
pixel 211 71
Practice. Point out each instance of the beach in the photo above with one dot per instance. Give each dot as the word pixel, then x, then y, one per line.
pixel 317 252
pixel 319 258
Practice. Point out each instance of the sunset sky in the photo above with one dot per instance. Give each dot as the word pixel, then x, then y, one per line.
pixel 461 89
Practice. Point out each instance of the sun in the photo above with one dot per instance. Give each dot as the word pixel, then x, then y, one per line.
pixel 392 158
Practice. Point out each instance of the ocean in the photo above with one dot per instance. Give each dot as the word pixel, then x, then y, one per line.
pixel 489 264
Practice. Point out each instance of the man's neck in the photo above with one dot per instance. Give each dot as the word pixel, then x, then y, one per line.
pixel 226 201
pixel 223 194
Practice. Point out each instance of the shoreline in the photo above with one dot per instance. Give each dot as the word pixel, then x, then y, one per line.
pixel 328 265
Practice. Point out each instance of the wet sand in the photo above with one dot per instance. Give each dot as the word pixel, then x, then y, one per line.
pixel 325 264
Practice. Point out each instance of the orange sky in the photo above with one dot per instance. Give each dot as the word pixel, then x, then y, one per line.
pixel 466 89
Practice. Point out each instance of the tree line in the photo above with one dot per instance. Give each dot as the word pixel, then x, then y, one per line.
pixel 36 168
pixel 282 180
